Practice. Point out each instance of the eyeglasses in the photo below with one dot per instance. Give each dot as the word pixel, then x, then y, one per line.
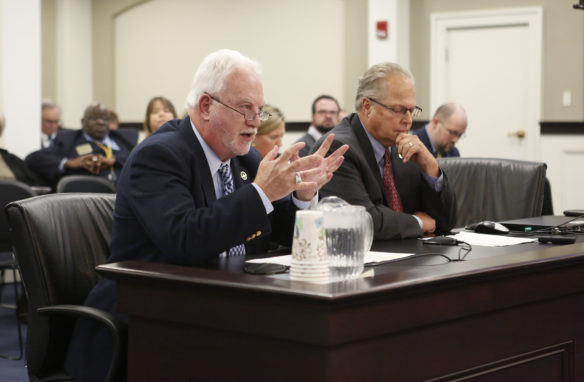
pixel 414 111
pixel 453 132
pixel 249 115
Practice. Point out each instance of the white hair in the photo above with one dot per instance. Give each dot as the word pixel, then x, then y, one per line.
pixel 216 67
pixel 49 104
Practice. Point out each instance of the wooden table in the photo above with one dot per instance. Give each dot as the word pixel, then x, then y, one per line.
pixel 504 314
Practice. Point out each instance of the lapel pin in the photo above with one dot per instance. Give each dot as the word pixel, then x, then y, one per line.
pixel 243 175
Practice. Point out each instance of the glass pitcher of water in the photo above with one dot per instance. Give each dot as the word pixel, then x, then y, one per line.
pixel 349 235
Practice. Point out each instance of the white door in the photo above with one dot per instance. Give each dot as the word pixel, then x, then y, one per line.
pixel 490 62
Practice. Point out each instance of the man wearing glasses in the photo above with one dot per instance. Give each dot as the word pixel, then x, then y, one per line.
pixel 387 170
pixel 325 116
pixel 92 150
pixel 447 126
pixel 195 191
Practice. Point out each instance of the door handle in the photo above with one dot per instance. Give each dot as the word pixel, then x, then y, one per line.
pixel 519 134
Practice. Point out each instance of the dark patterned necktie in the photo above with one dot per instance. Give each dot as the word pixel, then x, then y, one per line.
pixel 389 183
pixel 228 188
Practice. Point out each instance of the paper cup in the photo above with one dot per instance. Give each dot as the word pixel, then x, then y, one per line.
pixel 309 244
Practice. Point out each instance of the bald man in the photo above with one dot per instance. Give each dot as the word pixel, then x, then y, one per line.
pixel 444 130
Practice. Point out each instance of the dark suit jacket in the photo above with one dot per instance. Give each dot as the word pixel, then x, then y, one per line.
pixel 166 211
pixel 20 170
pixel 59 130
pixel 358 181
pixel 45 162
pixel 309 140
pixel 425 138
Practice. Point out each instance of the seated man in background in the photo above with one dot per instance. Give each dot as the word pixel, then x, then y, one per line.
pixel 325 116
pixel 50 118
pixel 92 150
pixel 387 170
pixel 445 129
pixel 195 191
pixel 14 168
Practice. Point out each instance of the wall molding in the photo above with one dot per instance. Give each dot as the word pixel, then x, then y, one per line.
pixel 561 128
pixel 291 127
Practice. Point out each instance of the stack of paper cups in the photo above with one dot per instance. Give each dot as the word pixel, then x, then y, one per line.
pixel 309 257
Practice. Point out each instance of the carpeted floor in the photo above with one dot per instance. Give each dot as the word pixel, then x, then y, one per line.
pixel 13 371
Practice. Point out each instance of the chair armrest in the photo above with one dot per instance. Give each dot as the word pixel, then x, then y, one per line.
pixel 113 324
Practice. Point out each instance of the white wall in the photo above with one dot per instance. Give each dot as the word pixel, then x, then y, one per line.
pixel 395 47
pixel 20 74
pixel 159 44
pixel 564 156
pixel 1 61
pixel 74 60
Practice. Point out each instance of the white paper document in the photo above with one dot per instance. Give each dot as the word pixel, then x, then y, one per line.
pixel 487 240
pixel 371 258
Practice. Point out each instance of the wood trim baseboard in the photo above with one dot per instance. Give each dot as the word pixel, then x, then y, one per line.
pixel 546 128
pixel 132 125
pixel 303 126
pixel 297 127
pixel 561 128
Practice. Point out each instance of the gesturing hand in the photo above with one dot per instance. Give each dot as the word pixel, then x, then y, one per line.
pixel 322 174
pixel 277 176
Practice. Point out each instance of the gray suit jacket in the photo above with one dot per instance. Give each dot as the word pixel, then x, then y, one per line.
pixel 358 181
pixel 309 140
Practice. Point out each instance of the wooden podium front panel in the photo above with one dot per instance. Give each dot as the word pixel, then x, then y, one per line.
pixel 516 317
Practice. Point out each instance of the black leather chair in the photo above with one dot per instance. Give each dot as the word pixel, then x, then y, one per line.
pixel 495 189
pixel 85 183
pixel 59 239
pixel 11 191
pixel 548 204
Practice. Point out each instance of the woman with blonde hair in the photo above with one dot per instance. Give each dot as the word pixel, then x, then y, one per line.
pixel 270 132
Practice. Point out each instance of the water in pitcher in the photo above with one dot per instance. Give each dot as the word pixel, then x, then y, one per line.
pixel 349 235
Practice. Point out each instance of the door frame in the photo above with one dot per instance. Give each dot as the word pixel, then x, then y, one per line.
pixel 441 23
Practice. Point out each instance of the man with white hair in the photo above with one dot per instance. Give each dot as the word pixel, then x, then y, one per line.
pixel 50 117
pixel 194 191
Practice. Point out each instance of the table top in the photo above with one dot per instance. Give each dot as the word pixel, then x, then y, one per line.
pixel 418 273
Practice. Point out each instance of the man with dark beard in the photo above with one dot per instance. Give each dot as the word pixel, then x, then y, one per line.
pixel 325 116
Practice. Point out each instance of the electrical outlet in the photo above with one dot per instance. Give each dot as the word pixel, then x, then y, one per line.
pixel 566 98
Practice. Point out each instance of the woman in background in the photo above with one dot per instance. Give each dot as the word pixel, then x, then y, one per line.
pixel 159 111
pixel 14 168
pixel 270 132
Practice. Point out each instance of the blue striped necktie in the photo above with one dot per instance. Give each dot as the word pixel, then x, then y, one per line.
pixel 228 188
